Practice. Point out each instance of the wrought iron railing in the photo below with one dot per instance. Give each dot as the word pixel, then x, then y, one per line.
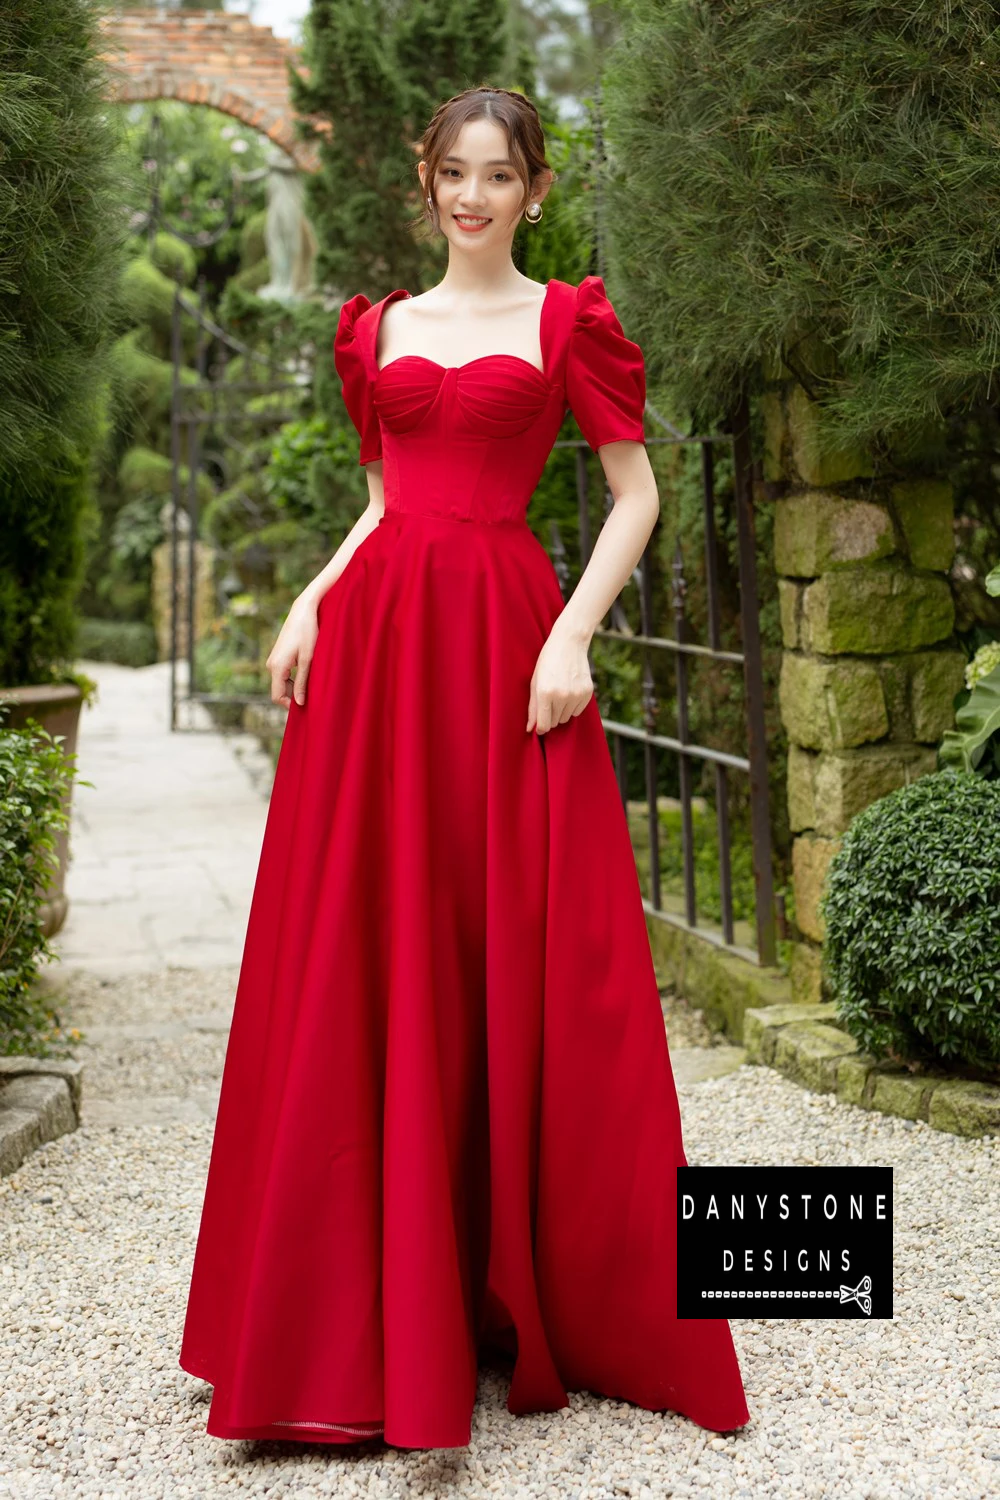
pixel 649 640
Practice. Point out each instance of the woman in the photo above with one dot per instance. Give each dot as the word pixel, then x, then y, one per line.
pixel 448 1120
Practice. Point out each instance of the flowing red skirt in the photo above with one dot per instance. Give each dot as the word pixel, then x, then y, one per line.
pixel 448 1119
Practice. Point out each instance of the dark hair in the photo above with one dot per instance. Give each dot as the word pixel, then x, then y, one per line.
pixel 514 111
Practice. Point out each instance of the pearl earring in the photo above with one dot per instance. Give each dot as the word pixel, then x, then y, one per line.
pixel 533 213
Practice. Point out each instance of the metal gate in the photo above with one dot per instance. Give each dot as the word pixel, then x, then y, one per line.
pixel 211 416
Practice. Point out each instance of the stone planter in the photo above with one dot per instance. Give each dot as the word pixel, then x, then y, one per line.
pixel 56 706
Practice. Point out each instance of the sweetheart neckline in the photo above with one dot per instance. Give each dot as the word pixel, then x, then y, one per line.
pixel 402 292
pixel 479 359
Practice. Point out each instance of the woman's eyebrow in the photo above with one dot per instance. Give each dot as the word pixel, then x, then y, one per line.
pixel 462 162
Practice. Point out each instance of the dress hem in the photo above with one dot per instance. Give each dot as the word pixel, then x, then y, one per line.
pixel 360 1432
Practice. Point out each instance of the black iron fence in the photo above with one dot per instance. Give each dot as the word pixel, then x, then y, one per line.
pixel 212 418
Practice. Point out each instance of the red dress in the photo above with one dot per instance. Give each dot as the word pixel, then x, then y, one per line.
pixel 447 1119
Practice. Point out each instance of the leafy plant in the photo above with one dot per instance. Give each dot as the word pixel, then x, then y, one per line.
pixel 975 744
pixel 35 776
pixel 912 914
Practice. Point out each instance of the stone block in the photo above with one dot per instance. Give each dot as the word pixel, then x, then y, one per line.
pixel 894 673
pixel 925 509
pixel 817 460
pixel 965 1107
pixel 852 1078
pixel 902 1094
pixel 789 612
pixel 33 1110
pixel 815 532
pixel 723 985
pixel 808 1052
pixel 845 782
pixel 831 704
pixel 761 1027
pixel 935 678
pixel 882 607
pixel 811 856
pixel 772 413
pixel 805 973
pixel 68 1068
pixel 800 784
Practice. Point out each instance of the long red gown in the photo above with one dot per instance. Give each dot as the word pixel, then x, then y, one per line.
pixel 447 1119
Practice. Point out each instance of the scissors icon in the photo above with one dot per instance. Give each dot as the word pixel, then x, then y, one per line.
pixel 861 1294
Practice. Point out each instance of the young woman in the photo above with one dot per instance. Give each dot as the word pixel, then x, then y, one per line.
pixel 448 1120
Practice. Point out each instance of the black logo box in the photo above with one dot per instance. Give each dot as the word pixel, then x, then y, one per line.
pixel 784 1242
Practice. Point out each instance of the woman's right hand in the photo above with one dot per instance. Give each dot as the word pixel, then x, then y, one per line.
pixel 294 648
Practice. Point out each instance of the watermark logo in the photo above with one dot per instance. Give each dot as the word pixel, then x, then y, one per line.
pixel 784 1242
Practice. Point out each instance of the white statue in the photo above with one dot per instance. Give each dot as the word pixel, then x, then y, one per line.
pixel 290 239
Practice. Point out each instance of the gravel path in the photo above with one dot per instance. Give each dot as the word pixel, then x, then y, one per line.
pixel 98 1232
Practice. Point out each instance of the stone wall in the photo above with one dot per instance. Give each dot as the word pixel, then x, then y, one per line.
pixel 870 668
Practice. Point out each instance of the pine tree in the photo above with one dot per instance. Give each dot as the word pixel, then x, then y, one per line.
pixel 61 239
pixel 815 183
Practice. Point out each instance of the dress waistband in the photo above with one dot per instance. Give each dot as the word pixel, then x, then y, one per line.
pixel 517 523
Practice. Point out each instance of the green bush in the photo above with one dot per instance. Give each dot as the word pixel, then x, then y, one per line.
pixel 131 643
pixel 35 774
pixel 912 913
pixel 174 258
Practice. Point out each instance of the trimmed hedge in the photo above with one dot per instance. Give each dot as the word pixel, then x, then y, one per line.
pixel 131 643
pixel 912 913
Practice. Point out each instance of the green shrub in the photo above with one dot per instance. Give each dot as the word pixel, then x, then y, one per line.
pixel 147 297
pixel 35 774
pixel 174 258
pixel 912 913
pixel 131 643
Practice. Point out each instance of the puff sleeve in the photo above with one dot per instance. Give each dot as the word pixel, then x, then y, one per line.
pixel 605 372
pixel 357 377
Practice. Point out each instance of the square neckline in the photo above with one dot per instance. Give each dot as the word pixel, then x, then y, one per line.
pixel 466 363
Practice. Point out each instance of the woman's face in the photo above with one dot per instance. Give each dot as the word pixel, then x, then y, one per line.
pixel 476 188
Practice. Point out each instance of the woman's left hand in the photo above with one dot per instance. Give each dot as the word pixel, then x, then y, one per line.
pixel 561 684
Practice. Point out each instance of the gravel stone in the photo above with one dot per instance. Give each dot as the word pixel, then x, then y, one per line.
pixel 98 1231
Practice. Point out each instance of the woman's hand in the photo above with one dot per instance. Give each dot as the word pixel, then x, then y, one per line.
pixel 294 648
pixel 561 684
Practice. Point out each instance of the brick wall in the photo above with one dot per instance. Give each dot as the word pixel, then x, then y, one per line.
pixel 210 58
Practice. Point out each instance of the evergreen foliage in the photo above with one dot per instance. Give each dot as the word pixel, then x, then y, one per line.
pixel 819 184
pixel 35 777
pixel 376 74
pixel 912 914
pixel 60 242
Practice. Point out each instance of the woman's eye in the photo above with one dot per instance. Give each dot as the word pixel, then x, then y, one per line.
pixel 454 172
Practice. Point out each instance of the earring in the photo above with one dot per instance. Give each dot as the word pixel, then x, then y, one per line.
pixel 428 197
pixel 533 213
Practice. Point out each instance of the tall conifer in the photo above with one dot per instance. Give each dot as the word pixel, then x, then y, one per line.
pixel 376 72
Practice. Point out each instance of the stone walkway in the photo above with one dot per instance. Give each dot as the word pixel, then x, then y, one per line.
pixel 97 1229
pixel 165 844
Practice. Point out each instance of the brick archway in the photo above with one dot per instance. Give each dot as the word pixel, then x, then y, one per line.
pixel 210 58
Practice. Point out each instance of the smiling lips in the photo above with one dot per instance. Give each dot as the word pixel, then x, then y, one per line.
pixel 470 222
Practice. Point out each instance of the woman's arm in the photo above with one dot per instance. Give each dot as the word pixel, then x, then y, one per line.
pixel 297 637
pixel 561 686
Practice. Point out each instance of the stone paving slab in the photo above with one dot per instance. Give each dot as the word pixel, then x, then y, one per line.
pixel 165 844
